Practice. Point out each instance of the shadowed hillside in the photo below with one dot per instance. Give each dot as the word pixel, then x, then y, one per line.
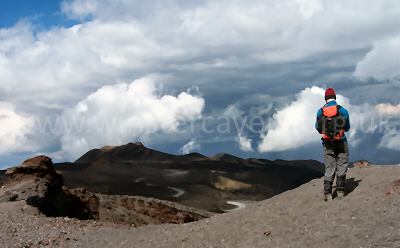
pixel 193 179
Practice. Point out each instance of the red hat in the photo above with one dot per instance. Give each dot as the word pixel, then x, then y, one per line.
pixel 330 94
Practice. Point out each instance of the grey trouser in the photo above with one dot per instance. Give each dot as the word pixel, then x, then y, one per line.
pixel 336 159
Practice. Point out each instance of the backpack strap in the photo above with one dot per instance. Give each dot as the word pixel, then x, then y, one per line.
pixel 338 108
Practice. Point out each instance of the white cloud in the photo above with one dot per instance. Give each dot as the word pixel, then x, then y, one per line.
pixel 388 123
pixel 367 120
pixel 293 126
pixel 309 8
pixel 79 9
pixel 244 143
pixel 389 109
pixel 60 63
pixel 383 62
pixel 14 129
pixel 123 112
pixel 227 22
pixel 391 140
pixel 190 147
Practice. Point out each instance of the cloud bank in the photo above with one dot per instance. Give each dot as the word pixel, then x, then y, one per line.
pixel 382 62
pixel 14 129
pixel 129 39
pixel 122 113
pixel 293 126
pixel 249 58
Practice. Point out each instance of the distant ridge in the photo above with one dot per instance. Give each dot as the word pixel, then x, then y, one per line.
pixel 130 151
pixel 137 152
pixel 193 155
pixel 226 157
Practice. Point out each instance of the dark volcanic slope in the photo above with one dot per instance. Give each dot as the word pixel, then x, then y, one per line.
pixel 226 157
pixel 130 151
pixel 67 166
pixel 192 179
pixel 136 153
pixel 3 177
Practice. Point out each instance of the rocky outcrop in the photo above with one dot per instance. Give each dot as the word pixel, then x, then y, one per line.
pixel 141 211
pixel 36 182
pixel 362 163
pixel 90 200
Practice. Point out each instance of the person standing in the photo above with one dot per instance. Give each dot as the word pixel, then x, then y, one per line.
pixel 332 121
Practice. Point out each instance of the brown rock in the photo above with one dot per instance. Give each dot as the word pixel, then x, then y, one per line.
pixel 362 164
pixel 36 182
pixel 394 188
pixel 266 233
pixel 89 199
pixel 37 165
pixel 141 211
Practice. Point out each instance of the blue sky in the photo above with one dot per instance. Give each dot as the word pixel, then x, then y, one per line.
pixel 43 13
pixel 209 76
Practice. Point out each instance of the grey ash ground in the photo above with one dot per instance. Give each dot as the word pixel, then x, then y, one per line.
pixel 366 217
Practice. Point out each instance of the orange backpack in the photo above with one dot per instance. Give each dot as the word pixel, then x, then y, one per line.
pixel 331 123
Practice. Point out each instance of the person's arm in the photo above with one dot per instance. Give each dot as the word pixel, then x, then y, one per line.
pixel 346 117
pixel 316 121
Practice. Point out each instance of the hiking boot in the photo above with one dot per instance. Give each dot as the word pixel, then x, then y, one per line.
pixel 340 194
pixel 340 183
pixel 328 197
pixel 327 187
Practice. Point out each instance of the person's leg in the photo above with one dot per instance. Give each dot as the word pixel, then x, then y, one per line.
pixel 342 163
pixel 330 168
